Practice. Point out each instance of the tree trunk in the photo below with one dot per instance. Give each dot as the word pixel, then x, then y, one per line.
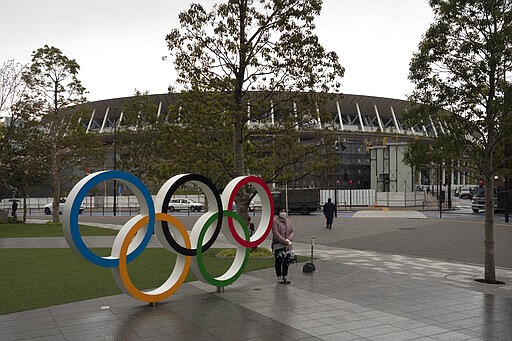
pixel 55 184
pixel 238 147
pixel 25 195
pixel 242 199
pixel 490 269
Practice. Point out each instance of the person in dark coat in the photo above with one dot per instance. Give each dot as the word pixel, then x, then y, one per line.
pixel 14 208
pixel 329 209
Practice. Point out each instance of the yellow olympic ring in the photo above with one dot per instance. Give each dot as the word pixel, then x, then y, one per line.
pixel 178 275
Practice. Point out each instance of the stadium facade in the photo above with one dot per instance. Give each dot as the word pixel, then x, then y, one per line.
pixel 358 122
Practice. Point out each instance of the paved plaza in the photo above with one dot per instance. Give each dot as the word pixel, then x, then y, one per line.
pixel 375 279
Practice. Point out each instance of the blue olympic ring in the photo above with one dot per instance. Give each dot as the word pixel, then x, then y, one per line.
pixel 78 194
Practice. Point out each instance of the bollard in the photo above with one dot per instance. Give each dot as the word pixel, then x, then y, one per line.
pixel 309 267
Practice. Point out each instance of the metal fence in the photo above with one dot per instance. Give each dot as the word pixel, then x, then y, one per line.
pixel 94 205
pixel 347 198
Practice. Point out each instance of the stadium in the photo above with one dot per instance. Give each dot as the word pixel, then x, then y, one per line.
pixel 370 138
pixel 357 121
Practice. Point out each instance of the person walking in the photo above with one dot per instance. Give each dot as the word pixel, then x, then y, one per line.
pixel 329 209
pixel 14 208
pixel 282 237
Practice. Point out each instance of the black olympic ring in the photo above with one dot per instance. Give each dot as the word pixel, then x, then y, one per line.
pixel 199 180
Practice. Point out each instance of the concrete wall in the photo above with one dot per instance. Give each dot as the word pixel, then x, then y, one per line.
pixel 389 173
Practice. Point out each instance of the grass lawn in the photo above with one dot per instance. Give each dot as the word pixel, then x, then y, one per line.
pixel 34 278
pixel 48 230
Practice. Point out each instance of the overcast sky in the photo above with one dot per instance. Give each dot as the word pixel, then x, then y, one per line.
pixel 119 44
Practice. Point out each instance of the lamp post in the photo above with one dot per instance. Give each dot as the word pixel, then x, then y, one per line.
pixel 336 185
pixel 115 163
pixel 440 190
pixel 506 202
pixel 506 149
pixel 339 146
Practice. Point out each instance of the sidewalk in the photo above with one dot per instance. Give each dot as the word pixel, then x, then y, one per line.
pixel 352 295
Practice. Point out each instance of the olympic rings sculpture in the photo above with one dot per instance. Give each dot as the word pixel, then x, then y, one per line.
pixel 135 234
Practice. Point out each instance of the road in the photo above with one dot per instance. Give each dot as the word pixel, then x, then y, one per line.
pixel 458 236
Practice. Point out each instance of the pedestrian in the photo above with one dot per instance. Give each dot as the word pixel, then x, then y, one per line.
pixel 329 209
pixel 14 208
pixel 282 237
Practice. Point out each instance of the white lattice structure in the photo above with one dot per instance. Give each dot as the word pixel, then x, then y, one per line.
pixel 349 113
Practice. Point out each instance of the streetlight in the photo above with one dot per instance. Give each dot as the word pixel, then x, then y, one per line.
pixel 337 183
pixel 115 164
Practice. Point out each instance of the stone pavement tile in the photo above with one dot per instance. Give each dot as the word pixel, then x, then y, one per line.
pixel 452 336
pixel 390 318
pixel 412 324
pixel 322 330
pixel 71 311
pixel 35 322
pixel 293 333
pixel 429 312
pixel 273 337
pixel 429 330
pixel 105 328
pixel 462 307
pixel 449 317
pixel 42 314
pixel 396 336
pixel 326 313
pixel 359 324
pixel 373 314
pixel 468 323
pixel 302 323
pixel 242 332
pixel 21 333
pixel 98 319
pixel 48 338
pixel 336 320
pixel 188 335
pixel 90 335
pixel 340 336
pixel 376 330
pixel 29 324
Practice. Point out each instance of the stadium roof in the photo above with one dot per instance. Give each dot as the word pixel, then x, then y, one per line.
pixel 349 113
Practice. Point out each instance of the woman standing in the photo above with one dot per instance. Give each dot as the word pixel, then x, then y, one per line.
pixel 282 237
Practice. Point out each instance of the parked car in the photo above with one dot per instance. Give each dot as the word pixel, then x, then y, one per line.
pixel 465 192
pixel 185 204
pixel 49 207
pixel 478 202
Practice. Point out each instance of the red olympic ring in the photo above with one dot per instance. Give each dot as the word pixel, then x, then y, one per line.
pixel 267 212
